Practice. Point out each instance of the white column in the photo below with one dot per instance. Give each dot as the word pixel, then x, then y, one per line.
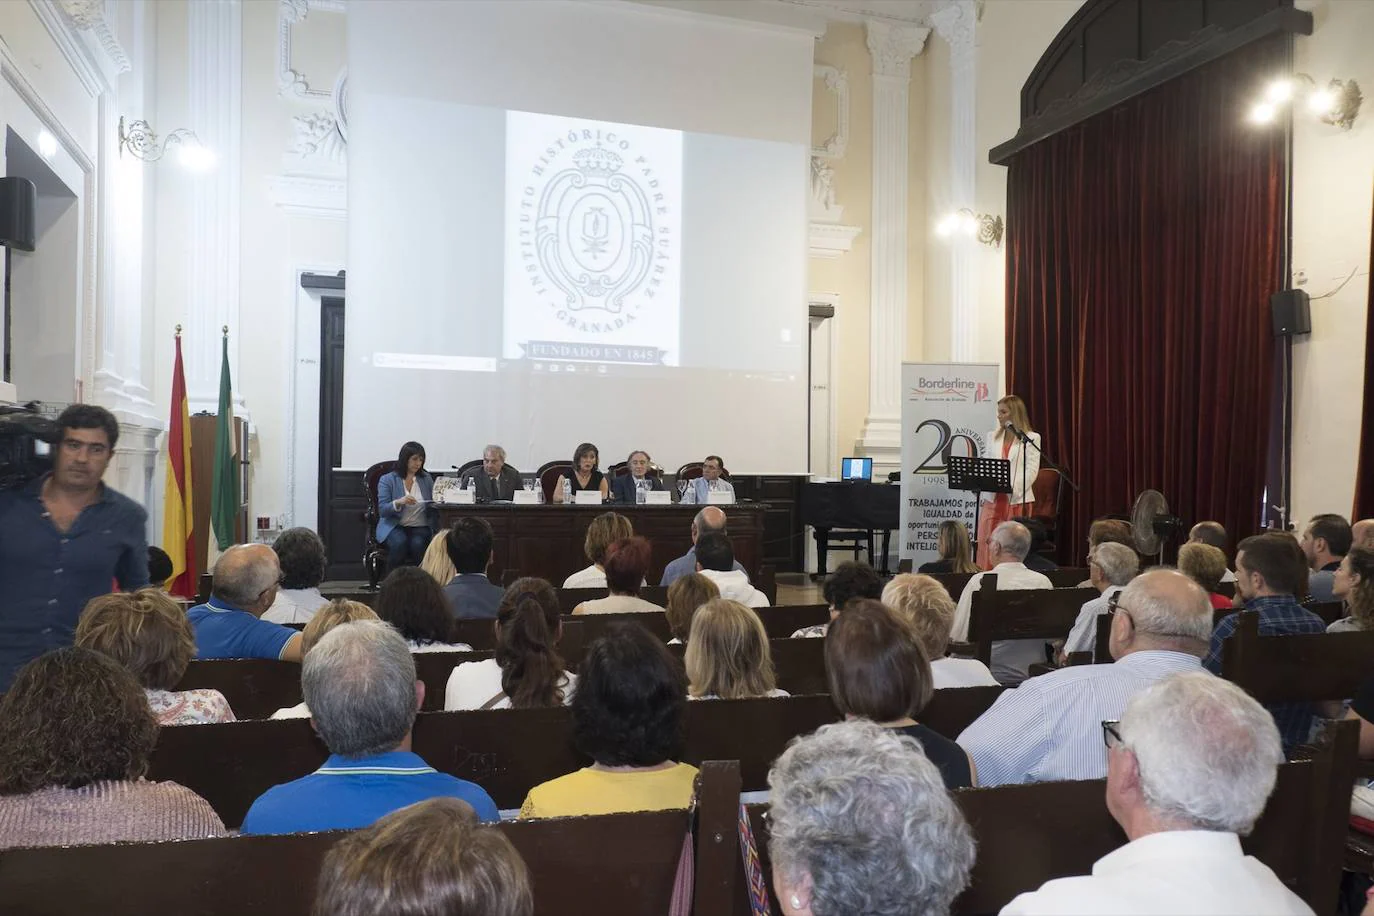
pixel 892 48
pixel 955 24
pixel 214 102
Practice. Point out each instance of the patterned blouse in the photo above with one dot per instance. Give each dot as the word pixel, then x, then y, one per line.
pixel 201 706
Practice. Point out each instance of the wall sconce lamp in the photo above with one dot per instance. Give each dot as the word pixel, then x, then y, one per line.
pixel 981 226
pixel 143 144
pixel 1337 103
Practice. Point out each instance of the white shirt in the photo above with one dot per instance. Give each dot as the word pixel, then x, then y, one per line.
pixel 299 711
pixel 772 694
pixel 1011 658
pixel 472 684
pixel 1196 872
pixel 591 577
pixel 735 586
pixel 1083 636
pixel 413 514
pixel 1050 727
pixel 295 605
pixel 960 672
pixel 438 646
pixel 1228 576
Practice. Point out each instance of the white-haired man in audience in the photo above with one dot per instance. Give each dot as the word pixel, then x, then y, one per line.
pixel 1007 550
pixel 360 687
pixel 1213 534
pixel 712 518
pixel 229 625
pixel 1189 769
pixel 1111 567
pixel 1048 728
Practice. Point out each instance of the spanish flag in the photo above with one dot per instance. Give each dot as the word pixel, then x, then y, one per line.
pixel 177 526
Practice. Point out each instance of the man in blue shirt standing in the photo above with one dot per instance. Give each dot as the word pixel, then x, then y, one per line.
pixel 64 539
pixel 359 683
pixel 228 625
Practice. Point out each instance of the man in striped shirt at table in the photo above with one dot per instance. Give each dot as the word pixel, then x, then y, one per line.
pixel 1050 727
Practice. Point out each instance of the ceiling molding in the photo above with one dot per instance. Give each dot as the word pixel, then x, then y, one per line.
pixel 904 12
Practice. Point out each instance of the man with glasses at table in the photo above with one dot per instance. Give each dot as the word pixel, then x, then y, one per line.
pixel 65 538
pixel 1049 728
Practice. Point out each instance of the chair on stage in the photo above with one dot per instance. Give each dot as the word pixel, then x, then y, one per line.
pixel 549 472
pixel 1045 492
pixel 374 553
pixel 692 470
pixel 622 469
pixel 468 467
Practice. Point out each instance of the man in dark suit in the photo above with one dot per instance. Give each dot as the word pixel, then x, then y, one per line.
pixel 496 480
pixel 471 594
pixel 624 489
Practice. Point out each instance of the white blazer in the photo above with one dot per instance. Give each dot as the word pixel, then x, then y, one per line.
pixel 1017 456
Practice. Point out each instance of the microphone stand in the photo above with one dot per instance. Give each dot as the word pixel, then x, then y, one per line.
pixel 1020 434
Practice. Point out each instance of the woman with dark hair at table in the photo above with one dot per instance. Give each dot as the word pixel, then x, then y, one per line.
pixel 584 475
pixel 405 502
pixel 1009 441
pixel 75 736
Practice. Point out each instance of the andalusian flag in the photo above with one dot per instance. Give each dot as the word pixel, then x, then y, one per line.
pixel 224 498
pixel 177 526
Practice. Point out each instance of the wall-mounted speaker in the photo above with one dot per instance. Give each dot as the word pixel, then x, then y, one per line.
pixel 1292 310
pixel 18 201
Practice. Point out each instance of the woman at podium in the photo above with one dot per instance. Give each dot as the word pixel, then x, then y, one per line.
pixel 1007 442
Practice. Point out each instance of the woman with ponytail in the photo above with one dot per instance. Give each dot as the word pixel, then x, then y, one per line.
pixel 527 671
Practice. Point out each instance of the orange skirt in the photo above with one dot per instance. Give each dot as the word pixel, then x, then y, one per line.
pixel 995 512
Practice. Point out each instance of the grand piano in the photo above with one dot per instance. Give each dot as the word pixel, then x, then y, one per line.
pixel 857 507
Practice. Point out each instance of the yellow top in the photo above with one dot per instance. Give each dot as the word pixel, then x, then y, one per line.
pixel 591 791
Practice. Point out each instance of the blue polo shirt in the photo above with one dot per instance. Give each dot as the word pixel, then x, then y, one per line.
pixel 348 793
pixel 224 631
pixel 47 576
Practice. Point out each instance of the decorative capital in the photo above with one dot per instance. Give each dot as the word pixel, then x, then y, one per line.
pixel 84 14
pixel 893 47
pixel 955 23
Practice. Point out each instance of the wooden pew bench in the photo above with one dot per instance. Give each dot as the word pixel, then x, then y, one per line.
pixel 1045 614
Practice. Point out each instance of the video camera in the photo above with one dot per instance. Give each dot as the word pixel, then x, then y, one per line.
pixel 21 429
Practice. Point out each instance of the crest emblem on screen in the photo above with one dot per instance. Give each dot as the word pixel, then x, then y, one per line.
pixel 594 231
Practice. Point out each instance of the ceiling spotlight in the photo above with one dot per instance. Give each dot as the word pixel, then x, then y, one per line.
pixel 1279 91
pixel 1263 113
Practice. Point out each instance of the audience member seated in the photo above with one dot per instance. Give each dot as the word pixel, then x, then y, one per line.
pixel 75 735
pixel 605 530
pixel 878 671
pixel 1327 539
pixel 1213 534
pixel 470 594
pixel 497 480
pixel 1270 571
pixel 1007 549
pixel 709 482
pixel 1354 585
pixel 1036 560
pixel 336 612
pixel 1049 727
pixel 851 579
pixel 405 504
pixel 926 607
pixel 629 717
pixel 1362 710
pixel 711 518
pixel 1111 567
pixel 860 822
pixel 627 489
pixel 148 633
pixel 160 568
pixel 228 625
pixel 956 554
pixel 1110 531
pixel 626 563
pixel 1189 769
pixel 685 596
pixel 359 683
pixel 432 857
pixel 585 476
pixel 716 561
pixel 301 555
pixel 1205 565
pixel 412 602
pixel 727 657
pixel 436 561
pixel 527 671
pixel 1362 533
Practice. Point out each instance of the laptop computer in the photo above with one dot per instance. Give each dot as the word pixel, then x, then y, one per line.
pixel 856 469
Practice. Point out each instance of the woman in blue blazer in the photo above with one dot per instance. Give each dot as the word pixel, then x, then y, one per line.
pixel 405 501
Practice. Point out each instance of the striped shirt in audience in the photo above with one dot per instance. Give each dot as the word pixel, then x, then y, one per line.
pixel 1050 727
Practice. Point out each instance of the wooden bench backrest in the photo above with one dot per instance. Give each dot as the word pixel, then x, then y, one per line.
pixel 1279 669
pixel 1022 614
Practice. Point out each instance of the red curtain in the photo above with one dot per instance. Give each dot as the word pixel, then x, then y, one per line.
pixel 1144 245
pixel 1364 469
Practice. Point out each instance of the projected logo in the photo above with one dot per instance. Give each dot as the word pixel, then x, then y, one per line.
pixel 592 247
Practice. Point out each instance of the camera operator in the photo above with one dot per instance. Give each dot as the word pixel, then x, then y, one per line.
pixel 64 538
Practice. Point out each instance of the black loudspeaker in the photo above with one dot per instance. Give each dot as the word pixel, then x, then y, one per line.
pixel 18 201
pixel 1292 310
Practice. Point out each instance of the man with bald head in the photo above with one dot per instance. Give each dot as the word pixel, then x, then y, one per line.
pixel 229 624
pixel 712 518
pixel 1050 727
pixel 1213 535
pixel 1363 533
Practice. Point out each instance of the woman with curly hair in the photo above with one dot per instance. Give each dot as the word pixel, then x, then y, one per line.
pixel 148 633
pixel 301 555
pixel 412 602
pixel 605 530
pixel 628 717
pixel 1354 584
pixel 75 735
